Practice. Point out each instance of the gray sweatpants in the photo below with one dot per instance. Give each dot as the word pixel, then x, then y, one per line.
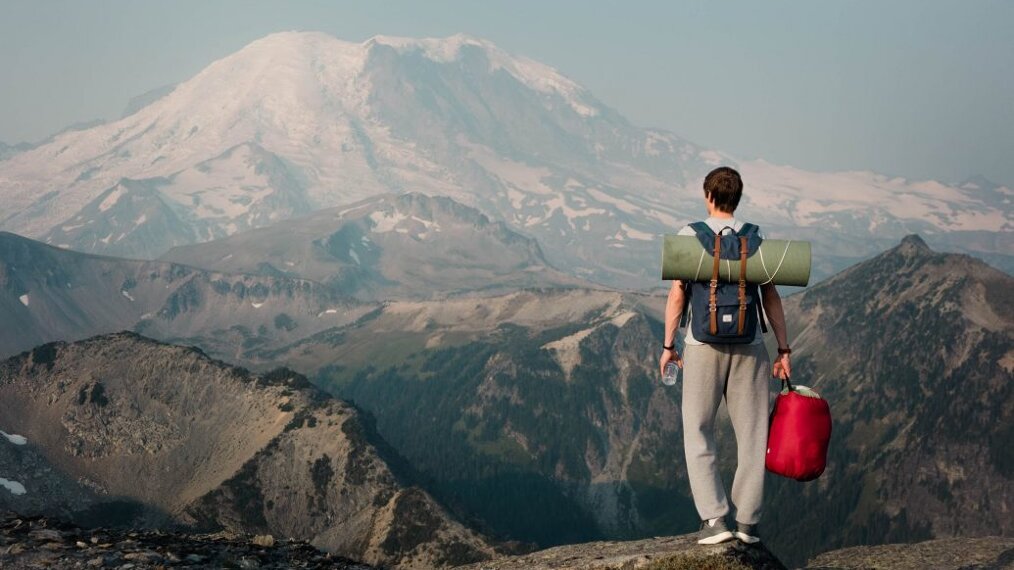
pixel 741 373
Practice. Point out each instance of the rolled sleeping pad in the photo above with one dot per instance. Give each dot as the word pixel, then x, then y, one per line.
pixel 778 261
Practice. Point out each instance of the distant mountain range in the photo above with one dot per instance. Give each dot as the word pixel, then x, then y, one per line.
pixel 388 247
pixel 49 294
pixel 297 122
pixel 264 290
pixel 123 430
pixel 536 415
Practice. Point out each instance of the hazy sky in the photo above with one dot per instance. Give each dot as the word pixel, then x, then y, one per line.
pixel 919 88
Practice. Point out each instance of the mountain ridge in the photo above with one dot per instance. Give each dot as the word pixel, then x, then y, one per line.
pixel 389 246
pixel 49 293
pixel 918 400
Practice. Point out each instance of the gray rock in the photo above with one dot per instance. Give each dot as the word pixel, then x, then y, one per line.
pixel 664 553
pixel 994 552
pixel 147 548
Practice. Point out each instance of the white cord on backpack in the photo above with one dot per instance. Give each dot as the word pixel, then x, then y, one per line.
pixel 765 267
pixel 697 275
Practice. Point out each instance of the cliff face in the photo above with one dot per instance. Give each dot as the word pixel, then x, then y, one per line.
pixel 126 430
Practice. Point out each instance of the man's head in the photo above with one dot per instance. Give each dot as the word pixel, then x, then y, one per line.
pixel 723 188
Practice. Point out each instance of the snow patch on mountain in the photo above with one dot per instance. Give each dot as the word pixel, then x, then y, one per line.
pixel 13 486
pixel 386 221
pixel 637 234
pixel 805 198
pixel 14 438
pixel 567 350
pixel 112 198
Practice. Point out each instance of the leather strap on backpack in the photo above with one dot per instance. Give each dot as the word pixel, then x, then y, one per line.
pixel 713 296
pixel 742 285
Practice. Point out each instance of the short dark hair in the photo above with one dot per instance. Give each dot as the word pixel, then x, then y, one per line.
pixel 724 186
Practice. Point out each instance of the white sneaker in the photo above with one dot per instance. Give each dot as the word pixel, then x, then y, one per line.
pixel 747 533
pixel 713 531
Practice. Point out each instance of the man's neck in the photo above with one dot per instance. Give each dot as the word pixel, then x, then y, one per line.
pixel 720 214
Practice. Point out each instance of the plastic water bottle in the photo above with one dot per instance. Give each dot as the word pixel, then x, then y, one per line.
pixel 673 374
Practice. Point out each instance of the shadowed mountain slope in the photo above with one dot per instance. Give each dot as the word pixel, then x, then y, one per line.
pixel 159 434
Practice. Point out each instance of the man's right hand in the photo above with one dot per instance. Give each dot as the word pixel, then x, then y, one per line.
pixel 782 368
pixel 669 355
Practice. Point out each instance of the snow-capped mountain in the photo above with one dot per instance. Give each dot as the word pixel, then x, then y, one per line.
pixel 298 121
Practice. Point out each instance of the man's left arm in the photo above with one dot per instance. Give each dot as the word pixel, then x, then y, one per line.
pixel 782 367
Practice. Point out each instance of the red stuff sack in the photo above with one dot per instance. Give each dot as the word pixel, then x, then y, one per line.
pixel 798 434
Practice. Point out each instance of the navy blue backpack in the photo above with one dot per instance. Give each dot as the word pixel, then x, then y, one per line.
pixel 725 312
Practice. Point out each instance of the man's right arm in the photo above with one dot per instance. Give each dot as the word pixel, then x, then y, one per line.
pixel 673 312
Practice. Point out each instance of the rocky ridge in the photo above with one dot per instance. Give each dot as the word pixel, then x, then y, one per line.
pixel 126 430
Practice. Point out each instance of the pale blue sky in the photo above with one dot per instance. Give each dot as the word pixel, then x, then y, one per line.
pixel 918 88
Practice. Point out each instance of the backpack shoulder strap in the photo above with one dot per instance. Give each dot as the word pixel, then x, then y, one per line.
pixel 748 230
pixel 703 229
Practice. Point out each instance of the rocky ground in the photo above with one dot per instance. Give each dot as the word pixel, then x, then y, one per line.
pixel 36 542
pixel 663 553
pixel 988 553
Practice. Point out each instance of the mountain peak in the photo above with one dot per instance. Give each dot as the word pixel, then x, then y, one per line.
pixel 913 243
pixel 442 49
pixel 533 74
pixel 978 182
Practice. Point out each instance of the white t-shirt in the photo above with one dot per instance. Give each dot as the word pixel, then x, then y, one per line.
pixel 717 225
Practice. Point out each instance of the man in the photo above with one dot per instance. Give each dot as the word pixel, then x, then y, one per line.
pixel 737 372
